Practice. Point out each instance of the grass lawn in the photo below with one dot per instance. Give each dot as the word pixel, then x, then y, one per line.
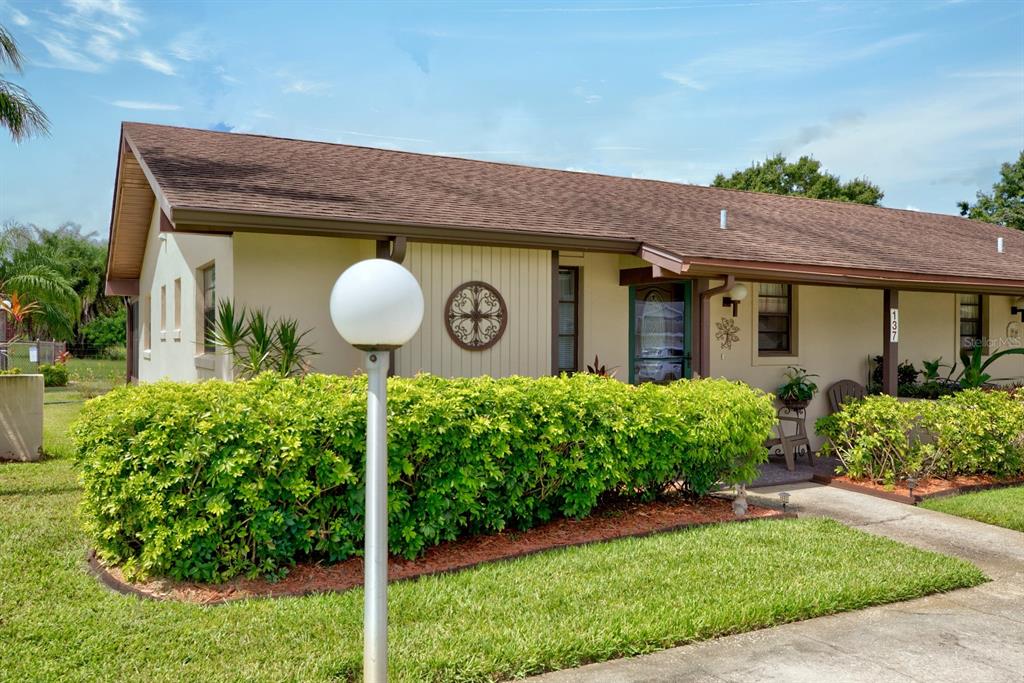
pixel 502 620
pixel 1002 507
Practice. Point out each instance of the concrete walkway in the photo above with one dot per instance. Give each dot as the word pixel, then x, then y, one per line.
pixel 976 634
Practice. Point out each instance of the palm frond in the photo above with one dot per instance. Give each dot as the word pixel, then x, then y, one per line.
pixel 9 52
pixel 19 114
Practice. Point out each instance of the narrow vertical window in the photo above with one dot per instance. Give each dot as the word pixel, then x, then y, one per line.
pixel 568 319
pixel 177 304
pixel 147 323
pixel 971 327
pixel 209 280
pixel 774 319
pixel 163 310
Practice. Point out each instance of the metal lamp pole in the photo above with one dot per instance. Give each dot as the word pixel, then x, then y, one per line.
pixel 377 306
pixel 375 555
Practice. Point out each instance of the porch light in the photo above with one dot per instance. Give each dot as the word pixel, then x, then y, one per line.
pixel 377 306
pixel 1018 308
pixel 736 294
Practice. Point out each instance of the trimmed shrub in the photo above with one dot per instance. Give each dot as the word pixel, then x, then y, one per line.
pixel 206 481
pixel 54 375
pixel 968 433
pixel 104 332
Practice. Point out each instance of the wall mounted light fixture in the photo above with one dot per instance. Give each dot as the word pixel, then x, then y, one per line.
pixel 733 298
pixel 1018 308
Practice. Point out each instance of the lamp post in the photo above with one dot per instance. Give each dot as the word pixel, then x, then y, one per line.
pixel 377 306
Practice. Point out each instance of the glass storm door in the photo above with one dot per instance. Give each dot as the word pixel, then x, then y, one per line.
pixel 659 332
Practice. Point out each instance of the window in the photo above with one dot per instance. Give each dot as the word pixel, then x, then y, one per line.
pixel 774 320
pixel 177 304
pixel 163 310
pixel 971 321
pixel 147 323
pixel 568 319
pixel 208 276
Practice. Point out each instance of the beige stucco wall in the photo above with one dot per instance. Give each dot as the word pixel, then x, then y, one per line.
pixel 604 317
pixel 291 276
pixel 177 352
pixel 21 417
pixel 521 276
pixel 840 328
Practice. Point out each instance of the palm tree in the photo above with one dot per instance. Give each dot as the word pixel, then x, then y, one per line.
pixel 18 113
pixel 36 278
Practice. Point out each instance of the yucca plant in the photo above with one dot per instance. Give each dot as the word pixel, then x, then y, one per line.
pixel 230 328
pixel 257 344
pixel 290 353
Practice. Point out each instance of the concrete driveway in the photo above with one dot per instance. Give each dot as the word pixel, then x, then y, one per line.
pixel 975 634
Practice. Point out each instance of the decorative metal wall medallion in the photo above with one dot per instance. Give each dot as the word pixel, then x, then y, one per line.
pixel 728 333
pixel 475 316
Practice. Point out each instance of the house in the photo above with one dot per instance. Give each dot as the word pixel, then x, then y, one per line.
pixel 659 279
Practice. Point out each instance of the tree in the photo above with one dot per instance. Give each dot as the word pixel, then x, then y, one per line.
pixel 18 113
pixel 1005 204
pixel 36 277
pixel 803 178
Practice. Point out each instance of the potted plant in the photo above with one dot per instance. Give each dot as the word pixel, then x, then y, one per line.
pixel 798 390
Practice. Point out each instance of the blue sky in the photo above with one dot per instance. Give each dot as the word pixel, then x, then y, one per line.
pixel 924 98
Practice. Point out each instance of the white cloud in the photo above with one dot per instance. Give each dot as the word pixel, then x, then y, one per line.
pixel 302 87
pixel 911 207
pixel 191 46
pixel 145 106
pixel 942 137
pixel 123 13
pixel 102 47
pixel 65 54
pixel 685 81
pixel 19 18
pixel 780 58
pixel 153 61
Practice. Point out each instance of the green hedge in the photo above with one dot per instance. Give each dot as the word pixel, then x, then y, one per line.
pixel 886 441
pixel 55 375
pixel 206 481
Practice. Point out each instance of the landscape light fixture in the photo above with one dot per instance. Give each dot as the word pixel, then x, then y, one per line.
pixel 734 296
pixel 377 306
pixel 911 485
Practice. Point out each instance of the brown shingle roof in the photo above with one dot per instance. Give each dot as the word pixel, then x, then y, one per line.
pixel 197 169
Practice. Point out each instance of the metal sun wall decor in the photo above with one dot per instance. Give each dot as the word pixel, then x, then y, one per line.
pixel 728 333
pixel 475 316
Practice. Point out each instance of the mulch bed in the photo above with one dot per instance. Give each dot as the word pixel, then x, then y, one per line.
pixel 616 520
pixel 933 487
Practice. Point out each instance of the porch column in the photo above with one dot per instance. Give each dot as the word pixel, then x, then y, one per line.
pixel 890 340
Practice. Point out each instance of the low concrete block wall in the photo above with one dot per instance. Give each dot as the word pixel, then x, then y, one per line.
pixel 21 417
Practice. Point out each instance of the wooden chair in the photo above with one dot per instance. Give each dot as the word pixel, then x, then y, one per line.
pixel 843 391
pixel 792 444
pixel 795 443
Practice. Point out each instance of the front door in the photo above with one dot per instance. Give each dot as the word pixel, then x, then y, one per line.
pixel 659 332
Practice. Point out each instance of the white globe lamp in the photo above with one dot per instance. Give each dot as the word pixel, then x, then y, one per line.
pixel 736 294
pixel 377 306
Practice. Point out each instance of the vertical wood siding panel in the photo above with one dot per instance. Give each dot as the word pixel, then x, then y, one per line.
pixel 523 278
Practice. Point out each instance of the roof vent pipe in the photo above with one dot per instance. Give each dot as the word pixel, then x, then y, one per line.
pixel 999 245
pixel 723 217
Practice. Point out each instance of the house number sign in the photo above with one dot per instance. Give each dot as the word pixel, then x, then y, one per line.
pixel 894 325
pixel 475 316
